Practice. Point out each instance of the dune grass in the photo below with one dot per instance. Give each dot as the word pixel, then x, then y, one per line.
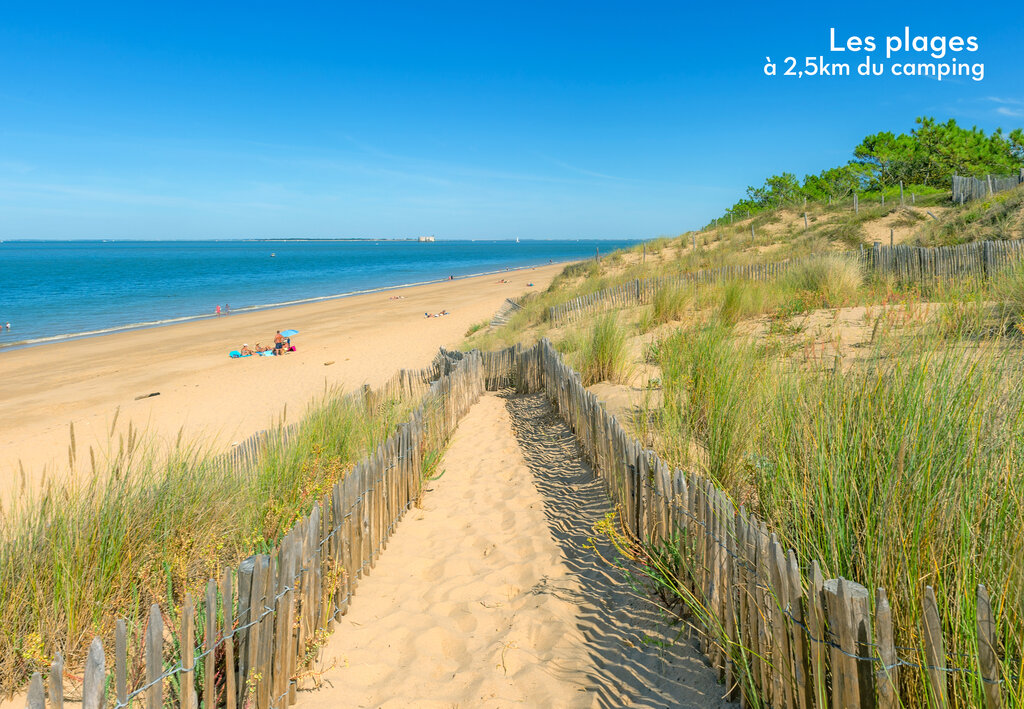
pixel 831 280
pixel 146 527
pixel 1001 216
pixel 671 304
pixel 898 473
pixel 898 470
pixel 601 354
pixel 741 300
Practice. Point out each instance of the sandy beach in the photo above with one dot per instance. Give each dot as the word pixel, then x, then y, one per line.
pixel 209 397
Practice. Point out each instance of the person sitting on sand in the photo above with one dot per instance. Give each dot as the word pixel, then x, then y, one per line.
pixel 245 351
pixel 259 348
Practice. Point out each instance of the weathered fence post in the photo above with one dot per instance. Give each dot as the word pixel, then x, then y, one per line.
pixel 935 650
pixel 847 605
pixel 121 661
pixel 56 681
pixel 36 699
pixel 816 625
pixel 987 650
pixel 888 674
pixel 209 642
pixel 154 658
pixel 188 669
pixel 94 679
pixel 228 632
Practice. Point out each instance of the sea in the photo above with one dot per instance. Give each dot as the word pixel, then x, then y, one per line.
pixel 58 290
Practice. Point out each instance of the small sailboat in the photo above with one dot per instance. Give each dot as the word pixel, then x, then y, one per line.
pixel 517 239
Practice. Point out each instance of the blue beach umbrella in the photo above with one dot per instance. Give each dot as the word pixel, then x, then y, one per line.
pixel 289 333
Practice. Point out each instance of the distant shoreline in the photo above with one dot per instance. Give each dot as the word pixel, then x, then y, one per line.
pixel 68 337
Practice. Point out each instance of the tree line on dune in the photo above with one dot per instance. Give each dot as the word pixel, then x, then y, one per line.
pixel 928 156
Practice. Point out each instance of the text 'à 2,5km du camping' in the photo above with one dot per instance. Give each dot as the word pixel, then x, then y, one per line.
pixel 907 54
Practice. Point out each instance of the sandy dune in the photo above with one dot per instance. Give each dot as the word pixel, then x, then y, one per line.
pixel 206 395
pixel 489 597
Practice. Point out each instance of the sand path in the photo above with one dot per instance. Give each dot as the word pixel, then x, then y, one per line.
pixel 488 596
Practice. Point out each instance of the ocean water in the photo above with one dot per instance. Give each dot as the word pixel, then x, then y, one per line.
pixel 51 291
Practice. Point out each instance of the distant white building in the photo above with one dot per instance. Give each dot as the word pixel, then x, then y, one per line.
pixel 426 238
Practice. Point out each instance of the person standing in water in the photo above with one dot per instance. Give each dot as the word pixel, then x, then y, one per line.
pixel 218 311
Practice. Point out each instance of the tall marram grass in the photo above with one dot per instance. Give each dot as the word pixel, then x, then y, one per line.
pixel 707 399
pixel 671 303
pixel 146 527
pixel 831 280
pixel 901 472
pixel 602 354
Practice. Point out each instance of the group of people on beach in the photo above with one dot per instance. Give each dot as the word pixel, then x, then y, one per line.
pixel 436 315
pixel 282 344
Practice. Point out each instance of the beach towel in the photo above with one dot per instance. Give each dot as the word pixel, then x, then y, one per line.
pixel 235 354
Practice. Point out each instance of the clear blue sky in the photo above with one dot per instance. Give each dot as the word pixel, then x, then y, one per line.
pixel 489 120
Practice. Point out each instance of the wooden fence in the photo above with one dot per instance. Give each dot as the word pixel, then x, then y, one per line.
pixel 406 384
pixel 507 309
pixel 256 628
pixel 777 633
pixel 977 259
pixel 642 290
pixel 968 188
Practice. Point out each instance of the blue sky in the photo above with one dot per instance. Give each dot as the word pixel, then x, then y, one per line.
pixel 464 120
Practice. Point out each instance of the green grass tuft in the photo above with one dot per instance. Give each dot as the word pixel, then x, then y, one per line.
pixel 603 355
